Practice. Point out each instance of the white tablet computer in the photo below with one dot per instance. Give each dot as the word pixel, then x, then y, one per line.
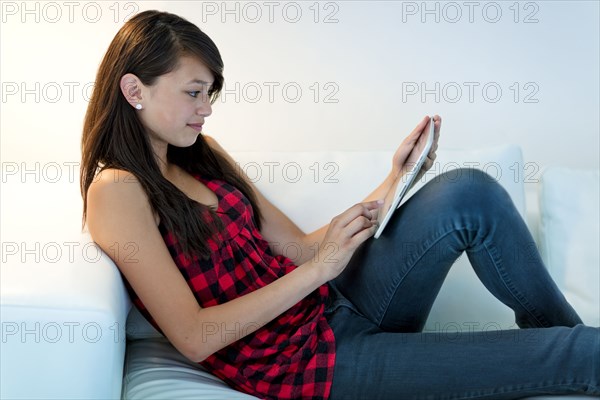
pixel 405 180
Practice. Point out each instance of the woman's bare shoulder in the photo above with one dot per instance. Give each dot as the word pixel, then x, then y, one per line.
pixel 118 192
pixel 113 179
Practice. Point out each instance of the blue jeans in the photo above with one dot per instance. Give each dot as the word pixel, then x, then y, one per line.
pixel 382 299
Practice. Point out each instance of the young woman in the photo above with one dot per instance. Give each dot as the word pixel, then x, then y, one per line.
pixel 190 235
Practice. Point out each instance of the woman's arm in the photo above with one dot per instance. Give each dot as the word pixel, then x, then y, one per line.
pixel 121 222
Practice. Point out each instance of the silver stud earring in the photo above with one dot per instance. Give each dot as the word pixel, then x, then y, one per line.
pixel 138 106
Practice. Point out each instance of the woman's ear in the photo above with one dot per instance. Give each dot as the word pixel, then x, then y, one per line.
pixel 131 87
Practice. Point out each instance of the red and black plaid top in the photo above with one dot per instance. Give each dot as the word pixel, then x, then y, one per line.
pixel 291 357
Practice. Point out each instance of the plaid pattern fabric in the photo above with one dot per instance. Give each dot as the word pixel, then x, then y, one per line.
pixel 291 357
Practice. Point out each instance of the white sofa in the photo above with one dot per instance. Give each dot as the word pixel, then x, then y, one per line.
pixel 69 331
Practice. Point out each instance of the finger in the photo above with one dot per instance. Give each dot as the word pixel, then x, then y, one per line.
pixel 436 131
pixel 436 135
pixel 437 127
pixel 358 225
pixel 416 133
pixel 427 164
pixel 373 204
pixel 363 235
pixel 374 214
pixel 433 148
pixel 367 207
pixel 357 210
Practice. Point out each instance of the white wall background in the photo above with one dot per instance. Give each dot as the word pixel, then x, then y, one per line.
pixel 369 53
pixel 360 55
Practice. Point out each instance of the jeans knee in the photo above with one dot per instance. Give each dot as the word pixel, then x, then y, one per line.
pixel 472 187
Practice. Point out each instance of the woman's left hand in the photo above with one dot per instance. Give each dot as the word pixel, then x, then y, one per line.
pixel 400 161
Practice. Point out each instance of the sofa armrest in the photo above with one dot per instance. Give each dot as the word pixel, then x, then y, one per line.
pixel 63 325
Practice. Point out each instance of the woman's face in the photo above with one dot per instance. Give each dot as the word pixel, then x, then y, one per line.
pixel 174 108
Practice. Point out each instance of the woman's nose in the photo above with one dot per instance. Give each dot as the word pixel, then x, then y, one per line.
pixel 204 108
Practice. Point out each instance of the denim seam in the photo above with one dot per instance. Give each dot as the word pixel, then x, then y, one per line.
pixel 493 395
pixel 510 287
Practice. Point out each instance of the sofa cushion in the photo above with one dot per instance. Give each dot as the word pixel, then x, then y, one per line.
pixel 138 327
pixel 569 236
pixel 154 369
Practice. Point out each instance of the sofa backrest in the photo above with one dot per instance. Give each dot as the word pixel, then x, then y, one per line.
pixel 312 187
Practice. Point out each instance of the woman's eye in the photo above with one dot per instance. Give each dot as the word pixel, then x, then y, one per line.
pixel 194 93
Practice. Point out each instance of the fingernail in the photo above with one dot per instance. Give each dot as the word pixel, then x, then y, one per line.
pixel 380 201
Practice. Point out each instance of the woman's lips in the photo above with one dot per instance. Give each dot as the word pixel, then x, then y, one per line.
pixel 197 127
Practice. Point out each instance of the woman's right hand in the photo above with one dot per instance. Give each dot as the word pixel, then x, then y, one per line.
pixel 345 233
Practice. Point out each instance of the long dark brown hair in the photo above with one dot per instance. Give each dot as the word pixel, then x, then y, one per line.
pixel 150 45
